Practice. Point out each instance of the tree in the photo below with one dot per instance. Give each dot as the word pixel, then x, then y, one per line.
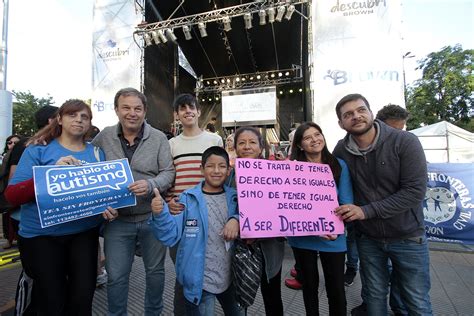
pixel 445 91
pixel 24 108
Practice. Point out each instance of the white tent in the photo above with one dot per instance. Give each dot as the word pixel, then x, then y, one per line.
pixel 445 142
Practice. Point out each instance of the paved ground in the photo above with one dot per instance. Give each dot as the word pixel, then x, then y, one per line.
pixel 452 291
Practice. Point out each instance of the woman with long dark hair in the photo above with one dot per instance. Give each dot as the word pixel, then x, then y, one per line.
pixel 62 259
pixel 9 143
pixel 309 145
pixel 10 224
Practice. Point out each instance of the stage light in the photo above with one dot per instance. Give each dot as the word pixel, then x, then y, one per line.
pixel 280 74
pixel 258 77
pixel 203 100
pixel 281 11
pixel 208 82
pixel 251 78
pixel 215 81
pixel 272 75
pixel 210 99
pixel 291 90
pixel 162 36
pixel 271 15
pixel 281 91
pixel 227 25
pixel 248 20
pixel 169 33
pixel 300 90
pixel 216 98
pixel 287 73
pixel 289 12
pixel 147 39
pixel 187 32
pixel 243 78
pixel 262 15
pixel 202 29
pixel 223 80
pixel 237 79
pixel 155 36
pixel 228 80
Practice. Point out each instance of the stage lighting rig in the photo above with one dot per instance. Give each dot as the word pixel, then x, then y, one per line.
pixel 271 15
pixel 262 14
pixel 248 21
pixel 275 10
pixel 227 25
pixel 162 36
pixel 147 39
pixel 280 13
pixel 253 80
pixel 187 32
pixel 169 33
pixel 155 36
pixel 289 12
pixel 202 29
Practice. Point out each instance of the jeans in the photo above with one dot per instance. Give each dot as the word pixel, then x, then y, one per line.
pixel 396 303
pixel 120 239
pixel 411 265
pixel 352 253
pixel 207 305
pixel 333 270
pixel 179 302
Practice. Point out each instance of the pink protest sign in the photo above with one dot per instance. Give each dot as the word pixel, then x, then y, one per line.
pixel 286 198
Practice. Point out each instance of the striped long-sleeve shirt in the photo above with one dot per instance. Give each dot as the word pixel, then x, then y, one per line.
pixel 187 152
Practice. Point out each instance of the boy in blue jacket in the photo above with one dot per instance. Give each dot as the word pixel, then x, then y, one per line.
pixel 204 231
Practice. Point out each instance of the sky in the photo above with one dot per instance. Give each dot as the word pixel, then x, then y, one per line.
pixel 50 42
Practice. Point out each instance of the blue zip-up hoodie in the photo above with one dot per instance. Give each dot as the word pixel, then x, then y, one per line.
pixel 190 228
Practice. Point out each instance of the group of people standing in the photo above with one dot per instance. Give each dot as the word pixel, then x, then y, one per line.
pixel 186 200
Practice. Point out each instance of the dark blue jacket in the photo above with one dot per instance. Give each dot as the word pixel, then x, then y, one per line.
pixel 389 183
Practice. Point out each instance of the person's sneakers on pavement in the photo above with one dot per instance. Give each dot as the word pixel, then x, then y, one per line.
pixel 293 284
pixel 349 276
pixel 360 310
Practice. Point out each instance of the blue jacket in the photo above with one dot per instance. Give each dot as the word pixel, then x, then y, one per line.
pixel 190 229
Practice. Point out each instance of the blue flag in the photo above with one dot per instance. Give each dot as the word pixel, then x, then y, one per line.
pixel 448 205
pixel 68 193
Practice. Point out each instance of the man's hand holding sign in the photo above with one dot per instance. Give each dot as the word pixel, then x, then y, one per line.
pixel 298 199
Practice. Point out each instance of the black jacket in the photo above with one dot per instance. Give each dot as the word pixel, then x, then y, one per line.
pixel 389 183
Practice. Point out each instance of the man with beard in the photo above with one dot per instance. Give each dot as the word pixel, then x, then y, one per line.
pixel 388 170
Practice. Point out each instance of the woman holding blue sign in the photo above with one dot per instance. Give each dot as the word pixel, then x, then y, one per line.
pixel 309 145
pixel 62 259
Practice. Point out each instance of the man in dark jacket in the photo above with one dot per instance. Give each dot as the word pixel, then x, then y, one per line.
pixel 388 170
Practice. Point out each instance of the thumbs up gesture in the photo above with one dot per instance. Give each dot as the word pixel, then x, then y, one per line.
pixel 157 202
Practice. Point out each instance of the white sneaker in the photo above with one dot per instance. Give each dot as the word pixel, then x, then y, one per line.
pixel 101 279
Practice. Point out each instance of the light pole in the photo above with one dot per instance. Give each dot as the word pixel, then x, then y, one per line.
pixel 406 55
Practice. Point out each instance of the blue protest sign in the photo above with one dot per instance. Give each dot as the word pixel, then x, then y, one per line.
pixel 68 193
pixel 448 205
